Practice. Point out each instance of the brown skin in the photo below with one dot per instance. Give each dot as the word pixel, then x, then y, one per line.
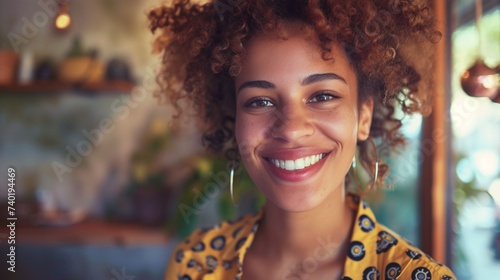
pixel 206 58
pixel 203 54
pixel 302 118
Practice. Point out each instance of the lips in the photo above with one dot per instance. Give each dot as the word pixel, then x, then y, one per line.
pixel 297 164
pixel 294 165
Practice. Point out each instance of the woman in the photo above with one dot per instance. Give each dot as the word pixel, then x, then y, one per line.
pixel 294 90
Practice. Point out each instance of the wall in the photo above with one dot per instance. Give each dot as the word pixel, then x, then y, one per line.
pixel 42 129
pixel 115 28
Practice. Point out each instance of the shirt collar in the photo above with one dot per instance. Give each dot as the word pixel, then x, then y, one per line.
pixel 243 235
pixel 363 234
pixel 363 228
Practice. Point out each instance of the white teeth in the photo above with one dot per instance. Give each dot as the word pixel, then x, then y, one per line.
pixel 297 164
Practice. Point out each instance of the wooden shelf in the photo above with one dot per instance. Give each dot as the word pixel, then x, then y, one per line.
pixel 105 86
pixel 90 232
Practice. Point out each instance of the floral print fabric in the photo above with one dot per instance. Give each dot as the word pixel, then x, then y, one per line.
pixel 375 252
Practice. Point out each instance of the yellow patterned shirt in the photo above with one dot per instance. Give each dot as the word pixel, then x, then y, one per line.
pixel 375 252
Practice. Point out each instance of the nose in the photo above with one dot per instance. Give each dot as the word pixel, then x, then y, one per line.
pixel 291 123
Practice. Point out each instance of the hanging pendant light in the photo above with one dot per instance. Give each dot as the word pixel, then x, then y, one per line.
pixel 480 80
pixel 63 19
pixel 496 99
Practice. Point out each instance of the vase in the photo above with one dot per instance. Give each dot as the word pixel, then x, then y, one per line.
pixel 83 69
pixel 8 66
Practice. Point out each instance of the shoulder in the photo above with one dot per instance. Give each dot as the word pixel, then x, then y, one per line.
pixel 398 257
pixel 217 238
pixel 209 249
pixel 376 250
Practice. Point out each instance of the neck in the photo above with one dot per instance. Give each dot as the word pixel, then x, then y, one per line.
pixel 322 232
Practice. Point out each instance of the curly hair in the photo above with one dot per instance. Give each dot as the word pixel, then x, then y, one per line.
pixel 388 42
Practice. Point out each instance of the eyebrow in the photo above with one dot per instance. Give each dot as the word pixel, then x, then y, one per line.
pixel 314 78
pixel 257 84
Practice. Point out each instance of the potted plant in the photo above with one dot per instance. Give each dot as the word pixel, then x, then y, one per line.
pixel 81 66
pixel 147 188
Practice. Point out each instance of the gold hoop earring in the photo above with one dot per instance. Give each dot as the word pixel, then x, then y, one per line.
pixel 374 147
pixel 375 176
pixel 231 184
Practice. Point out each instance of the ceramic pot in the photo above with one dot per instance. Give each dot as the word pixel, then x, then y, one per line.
pixel 81 70
pixel 8 66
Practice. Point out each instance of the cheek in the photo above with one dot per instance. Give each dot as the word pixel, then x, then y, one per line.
pixel 340 126
pixel 248 133
pixel 242 127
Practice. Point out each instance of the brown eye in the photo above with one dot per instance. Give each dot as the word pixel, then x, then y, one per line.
pixel 259 102
pixel 322 97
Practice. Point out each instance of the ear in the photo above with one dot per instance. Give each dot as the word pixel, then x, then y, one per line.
pixel 365 119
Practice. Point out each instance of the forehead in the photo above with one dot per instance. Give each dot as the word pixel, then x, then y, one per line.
pixel 296 51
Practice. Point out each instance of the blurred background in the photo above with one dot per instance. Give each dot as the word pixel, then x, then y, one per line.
pixel 105 187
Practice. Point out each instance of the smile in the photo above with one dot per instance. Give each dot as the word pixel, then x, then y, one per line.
pixel 296 164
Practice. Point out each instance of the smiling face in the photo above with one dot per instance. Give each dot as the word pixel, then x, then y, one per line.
pixel 298 119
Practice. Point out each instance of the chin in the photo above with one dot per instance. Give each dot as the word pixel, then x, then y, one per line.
pixel 301 198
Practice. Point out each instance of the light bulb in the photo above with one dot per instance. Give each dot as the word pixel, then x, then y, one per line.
pixel 63 21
